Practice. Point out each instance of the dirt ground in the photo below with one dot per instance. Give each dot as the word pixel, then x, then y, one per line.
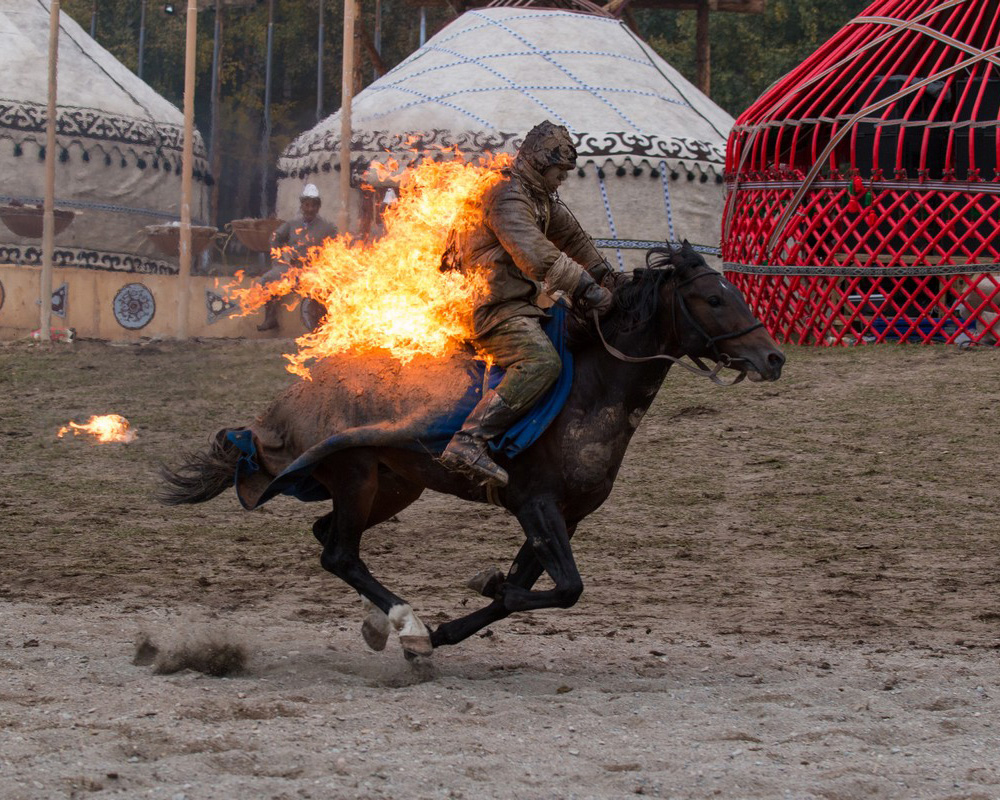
pixel 792 592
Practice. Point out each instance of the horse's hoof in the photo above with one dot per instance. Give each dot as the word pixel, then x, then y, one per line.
pixel 416 646
pixel 375 628
pixel 374 636
pixel 486 582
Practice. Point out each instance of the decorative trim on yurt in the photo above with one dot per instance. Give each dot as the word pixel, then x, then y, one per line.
pixel 863 187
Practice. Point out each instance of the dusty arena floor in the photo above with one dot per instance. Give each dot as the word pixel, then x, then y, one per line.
pixel 792 592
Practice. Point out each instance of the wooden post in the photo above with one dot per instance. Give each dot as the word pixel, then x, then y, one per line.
pixel 320 43
pixel 347 93
pixel 703 55
pixel 265 140
pixel 187 170
pixel 48 209
pixel 215 147
pixel 142 38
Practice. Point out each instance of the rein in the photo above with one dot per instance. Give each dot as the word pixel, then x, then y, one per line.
pixel 721 359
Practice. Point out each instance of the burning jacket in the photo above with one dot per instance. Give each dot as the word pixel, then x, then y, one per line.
pixel 527 242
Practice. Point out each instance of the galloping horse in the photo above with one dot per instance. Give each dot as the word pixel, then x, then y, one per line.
pixel 677 306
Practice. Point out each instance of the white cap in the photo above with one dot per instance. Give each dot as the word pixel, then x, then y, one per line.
pixel 310 192
pixel 390 197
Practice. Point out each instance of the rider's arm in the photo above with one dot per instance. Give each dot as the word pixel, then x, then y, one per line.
pixel 566 234
pixel 511 217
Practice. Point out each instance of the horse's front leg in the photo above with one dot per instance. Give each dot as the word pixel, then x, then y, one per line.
pixel 525 570
pixel 548 536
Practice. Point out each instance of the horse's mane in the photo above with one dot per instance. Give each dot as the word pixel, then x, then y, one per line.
pixel 637 302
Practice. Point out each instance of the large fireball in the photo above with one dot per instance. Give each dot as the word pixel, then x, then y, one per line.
pixel 390 295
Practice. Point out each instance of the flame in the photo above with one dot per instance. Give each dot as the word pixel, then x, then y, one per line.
pixel 106 428
pixel 390 294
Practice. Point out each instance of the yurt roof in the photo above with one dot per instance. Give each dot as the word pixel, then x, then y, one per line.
pixel 907 89
pixel 487 78
pixel 100 102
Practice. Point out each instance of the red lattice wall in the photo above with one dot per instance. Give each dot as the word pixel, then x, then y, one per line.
pixel 857 207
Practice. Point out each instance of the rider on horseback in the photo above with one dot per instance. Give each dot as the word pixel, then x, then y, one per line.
pixel 527 243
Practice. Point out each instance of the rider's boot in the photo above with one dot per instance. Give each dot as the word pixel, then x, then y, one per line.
pixel 468 450
pixel 270 315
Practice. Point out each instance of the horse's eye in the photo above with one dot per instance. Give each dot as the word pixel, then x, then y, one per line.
pixel 714 301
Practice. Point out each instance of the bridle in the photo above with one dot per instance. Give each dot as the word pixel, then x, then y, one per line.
pixel 721 359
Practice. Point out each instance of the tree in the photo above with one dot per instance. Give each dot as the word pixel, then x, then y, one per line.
pixel 749 51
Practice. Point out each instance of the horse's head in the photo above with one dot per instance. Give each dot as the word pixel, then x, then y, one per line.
pixel 710 318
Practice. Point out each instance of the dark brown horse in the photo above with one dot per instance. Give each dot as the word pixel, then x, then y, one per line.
pixel 676 307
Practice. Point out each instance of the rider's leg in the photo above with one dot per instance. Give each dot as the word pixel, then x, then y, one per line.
pixel 531 364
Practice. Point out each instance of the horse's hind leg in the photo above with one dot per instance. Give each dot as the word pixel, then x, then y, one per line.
pixel 353 482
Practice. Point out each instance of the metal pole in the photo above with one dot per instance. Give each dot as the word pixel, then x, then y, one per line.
pixel 214 153
pixel 142 36
pixel 346 94
pixel 265 142
pixel 48 209
pixel 423 25
pixel 184 279
pixel 93 21
pixel 319 65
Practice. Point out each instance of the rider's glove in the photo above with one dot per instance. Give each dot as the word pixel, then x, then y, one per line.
pixel 589 294
pixel 613 279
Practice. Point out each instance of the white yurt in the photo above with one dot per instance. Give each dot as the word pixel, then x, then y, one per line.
pixel 118 170
pixel 651 146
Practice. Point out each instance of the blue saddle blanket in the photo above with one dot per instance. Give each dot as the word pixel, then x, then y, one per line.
pixel 297 481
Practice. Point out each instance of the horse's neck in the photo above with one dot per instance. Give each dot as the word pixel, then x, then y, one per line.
pixel 610 381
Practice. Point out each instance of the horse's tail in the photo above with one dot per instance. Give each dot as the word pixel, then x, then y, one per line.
pixel 204 475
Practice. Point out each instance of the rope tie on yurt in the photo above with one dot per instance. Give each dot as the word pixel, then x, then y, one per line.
pixel 666 200
pixel 611 219
pixel 821 160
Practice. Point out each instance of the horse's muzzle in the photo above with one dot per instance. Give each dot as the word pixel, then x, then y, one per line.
pixel 764 366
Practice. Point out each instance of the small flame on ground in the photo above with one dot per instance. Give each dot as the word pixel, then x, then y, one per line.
pixel 106 428
pixel 390 295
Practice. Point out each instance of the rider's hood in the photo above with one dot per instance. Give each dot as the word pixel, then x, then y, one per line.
pixel 546 145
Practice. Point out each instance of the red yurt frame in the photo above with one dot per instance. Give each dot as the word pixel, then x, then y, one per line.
pixel 863 191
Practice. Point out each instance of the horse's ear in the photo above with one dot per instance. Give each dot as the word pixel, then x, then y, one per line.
pixel 686 247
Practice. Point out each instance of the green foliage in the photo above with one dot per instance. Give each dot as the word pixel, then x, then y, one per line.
pixel 749 51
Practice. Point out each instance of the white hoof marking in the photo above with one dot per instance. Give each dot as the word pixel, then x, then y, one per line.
pixel 413 634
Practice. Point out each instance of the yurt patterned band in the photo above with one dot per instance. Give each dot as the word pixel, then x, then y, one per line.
pixel 153 144
pixel 866 272
pixel 31 200
pixel 647 244
pixel 320 153
pixel 85 258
